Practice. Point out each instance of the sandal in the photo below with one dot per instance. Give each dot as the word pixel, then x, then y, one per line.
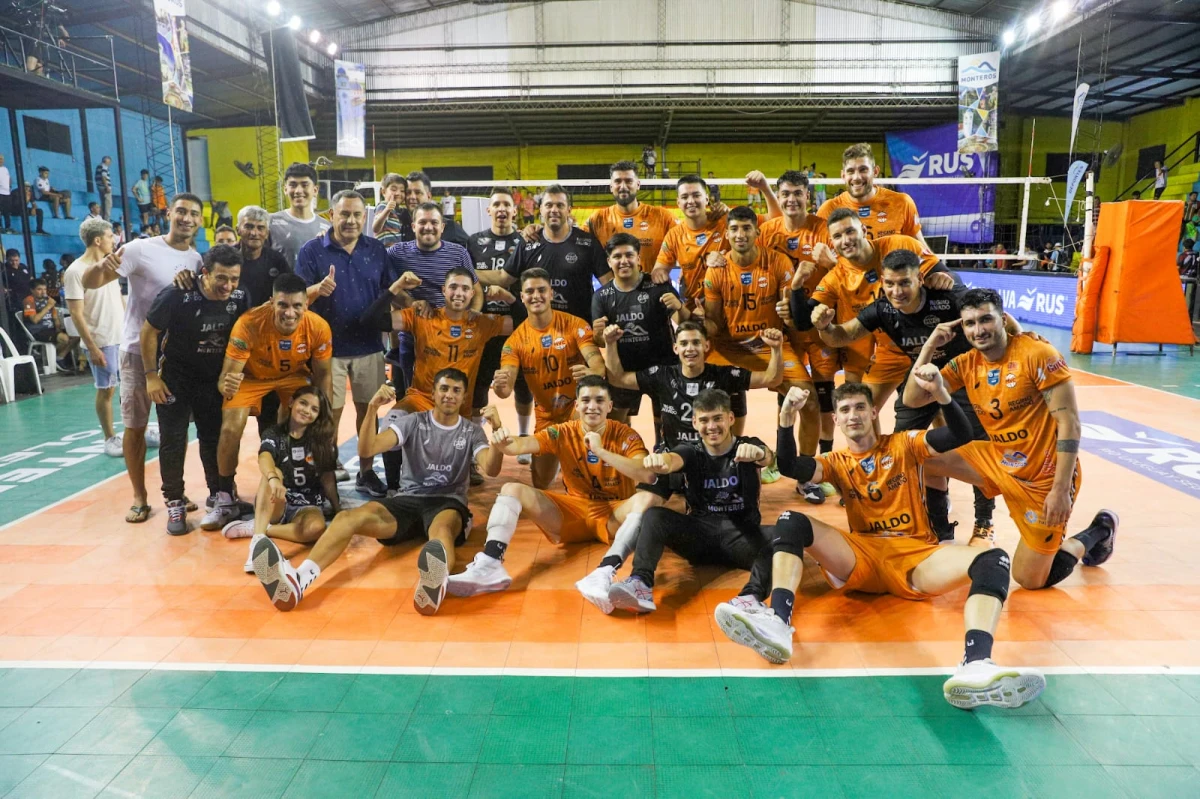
pixel 137 514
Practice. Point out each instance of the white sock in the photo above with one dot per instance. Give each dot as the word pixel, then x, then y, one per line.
pixel 625 537
pixel 524 425
pixel 502 524
pixel 308 572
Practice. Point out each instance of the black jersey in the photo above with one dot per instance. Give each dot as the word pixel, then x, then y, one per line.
pixel 910 331
pixel 676 392
pixel 572 263
pixel 643 317
pixel 195 331
pixel 294 459
pixel 717 485
pixel 258 274
pixel 490 251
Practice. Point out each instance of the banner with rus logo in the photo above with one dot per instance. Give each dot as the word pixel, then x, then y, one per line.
pixel 978 102
pixel 1029 296
pixel 964 212
pixel 174 59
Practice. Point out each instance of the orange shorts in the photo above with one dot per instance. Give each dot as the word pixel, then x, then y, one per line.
pixel 822 359
pixel 251 392
pixel 856 358
pixel 755 359
pixel 1024 498
pixel 583 519
pixel 543 418
pixel 889 365
pixel 884 564
pixel 415 402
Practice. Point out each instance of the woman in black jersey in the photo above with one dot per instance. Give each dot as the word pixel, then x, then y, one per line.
pixel 297 460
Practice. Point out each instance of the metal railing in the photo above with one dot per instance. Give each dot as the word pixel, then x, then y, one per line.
pixel 1188 149
pixel 61 64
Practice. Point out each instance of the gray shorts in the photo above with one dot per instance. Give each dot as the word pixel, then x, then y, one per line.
pixel 135 402
pixel 366 374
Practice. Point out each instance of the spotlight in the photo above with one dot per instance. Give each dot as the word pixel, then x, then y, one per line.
pixel 314 36
pixel 332 48
pixel 1009 37
pixel 1060 9
pixel 295 22
pixel 274 9
pixel 1032 23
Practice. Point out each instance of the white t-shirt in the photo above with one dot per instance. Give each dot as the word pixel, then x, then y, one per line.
pixel 5 182
pixel 448 205
pixel 150 265
pixel 1160 178
pixel 102 308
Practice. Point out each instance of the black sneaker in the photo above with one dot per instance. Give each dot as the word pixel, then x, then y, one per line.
pixel 369 484
pixel 946 535
pixel 812 493
pixel 1102 550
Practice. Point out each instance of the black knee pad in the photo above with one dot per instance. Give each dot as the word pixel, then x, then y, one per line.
pixel 825 395
pixel 990 574
pixel 793 532
pixel 1064 563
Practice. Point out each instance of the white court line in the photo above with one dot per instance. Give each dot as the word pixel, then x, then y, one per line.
pixel 500 671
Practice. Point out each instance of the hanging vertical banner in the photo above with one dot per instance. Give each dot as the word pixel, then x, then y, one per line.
pixel 978 102
pixel 1081 92
pixel 350 80
pixel 174 61
pixel 1075 174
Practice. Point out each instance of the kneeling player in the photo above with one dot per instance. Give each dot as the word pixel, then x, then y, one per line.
pixel 296 460
pixel 891 548
pixel 439 447
pixel 602 460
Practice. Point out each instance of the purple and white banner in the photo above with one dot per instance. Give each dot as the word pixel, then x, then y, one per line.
pixel 965 213
pixel 1164 458
pixel 1037 297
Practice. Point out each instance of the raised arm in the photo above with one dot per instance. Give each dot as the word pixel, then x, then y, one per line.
pixel 843 334
pixel 372 441
pixel 617 376
pixel 943 334
pixel 771 377
pixel 801 468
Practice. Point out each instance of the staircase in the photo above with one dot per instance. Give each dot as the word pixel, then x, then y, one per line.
pixel 1182 180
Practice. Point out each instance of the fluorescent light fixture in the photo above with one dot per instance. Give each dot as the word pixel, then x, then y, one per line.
pixel 1061 9
pixel 332 48
pixel 1009 37
pixel 1032 23
pixel 273 8
pixel 295 23
pixel 314 36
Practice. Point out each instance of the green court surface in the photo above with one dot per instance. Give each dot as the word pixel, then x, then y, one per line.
pixel 68 733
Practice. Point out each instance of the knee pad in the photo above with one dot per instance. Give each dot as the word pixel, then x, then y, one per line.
pixel 1064 563
pixel 990 574
pixel 825 395
pixel 793 532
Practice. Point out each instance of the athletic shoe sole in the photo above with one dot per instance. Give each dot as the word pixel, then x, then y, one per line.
pixel 463 586
pixel 623 597
pixel 238 529
pixel 1104 549
pixel 281 588
pixel 599 600
pixel 1009 688
pixel 432 574
pixel 740 631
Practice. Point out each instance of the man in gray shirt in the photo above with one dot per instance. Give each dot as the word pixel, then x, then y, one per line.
pixel 297 225
pixel 439 447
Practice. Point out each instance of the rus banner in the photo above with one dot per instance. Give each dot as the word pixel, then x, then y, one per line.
pixel 964 212
pixel 978 102
pixel 350 80
pixel 174 62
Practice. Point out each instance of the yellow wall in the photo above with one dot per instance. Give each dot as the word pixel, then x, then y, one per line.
pixel 226 145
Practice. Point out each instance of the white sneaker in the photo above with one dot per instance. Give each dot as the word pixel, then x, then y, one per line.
pixel 249 565
pixel 755 625
pixel 152 437
pixel 225 511
pixel 525 459
pixel 982 682
pixel 242 528
pixel 483 575
pixel 633 595
pixel 113 446
pixel 432 574
pixel 278 577
pixel 595 587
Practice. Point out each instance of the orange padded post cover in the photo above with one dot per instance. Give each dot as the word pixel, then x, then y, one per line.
pixel 1091 279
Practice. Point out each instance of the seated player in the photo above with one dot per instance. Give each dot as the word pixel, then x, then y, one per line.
pixel 43 320
pixel 439 446
pixel 853 285
pixel 890 547
pixel 1023 389
pixel 723 525
pixel 296 460
pixel 740 298
pixel 603 459
pixel 553 350
pixel 278 347
pixel 908 312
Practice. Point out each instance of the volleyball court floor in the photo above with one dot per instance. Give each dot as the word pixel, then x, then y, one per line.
pixel 137 664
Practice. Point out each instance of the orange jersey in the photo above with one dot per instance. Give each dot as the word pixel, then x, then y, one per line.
pixel 583 473
pixel 1007 398
pixel 442 342
pixel 886 214
pixel 797 245
pixel 649 223
pixel 748 294
pixel 687 249
pixel 884 489
pixel 545 357
pixel 269 354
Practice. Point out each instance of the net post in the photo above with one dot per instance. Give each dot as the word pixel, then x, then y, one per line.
pixel 1089 222
pixel 1024 217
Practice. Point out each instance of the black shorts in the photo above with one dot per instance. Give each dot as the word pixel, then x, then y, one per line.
pixel 46 335
pixel 920 418
pixel 630 399
pixel 737 403
pixel 415 513
pixel 489 362
pixel 666 486
pixel 147 208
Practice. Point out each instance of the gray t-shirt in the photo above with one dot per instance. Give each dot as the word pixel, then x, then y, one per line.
pixel 289 234
pixel 437 459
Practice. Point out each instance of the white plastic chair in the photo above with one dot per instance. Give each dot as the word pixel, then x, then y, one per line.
pixel 9 364
pixel 49 351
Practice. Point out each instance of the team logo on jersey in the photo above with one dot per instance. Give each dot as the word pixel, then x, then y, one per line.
pixel 301 346
pixel 701 239
pixel 885 462
pixel 872 276
pixel 868 465
pixel 793 243
pixel 460 443
pixel 627 223
pixel 571 258
pixel 762 282
pixel 455 331
pixel 993 377
pixel 592 457
pixel 692 389
pixel 285 345
pixel 864 211
pixel 547 341
pixel 652 370
pixel 747 278
pixel 484 241
pixel 643 298
pixel 560 344
pixel 882 216
pixel 469 333
pixel 931 321
pixel 644 225
pixel 500 245
pixel 1010 380
pixel 1031 516
pixel 297 453
pixel 230 307
pixel 1014 459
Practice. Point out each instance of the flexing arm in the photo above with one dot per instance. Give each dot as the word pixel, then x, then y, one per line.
pixel 802 307
pixel 503 382
pixel 914 395
pixel 843 334
pixel 595 361
pixel 617 376
pixel 714 318
pixel 957 431
pixel 773 374
pixel 802 468
pixel 1060 401
pixel 663 462
pixel 372 441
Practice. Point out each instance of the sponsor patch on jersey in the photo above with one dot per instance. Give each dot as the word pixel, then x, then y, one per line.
pixel 285 345
pixel 484 241
pixel 455 331
pixel 644 225
pixel 500 245
pixel 297 453
pixel 627 223
pixel 872 276
pixel 547 342
pixel 239 343
pixel 560 344
pixel 592 457
pixel 793 243
pixel 882 216
pixel 1010 380
pixel 583 332
pixel 701 239
pixel 643 298
pixel 885 462
pixel 931 321
pixel 868 465
pixel 571 258
pixel 1014 459
pixel 747 278
pixel 460 443
pixel 230 307
pixel 692 389
pixel 864 211
pixel 1031 516
pixel 762 282
pixel 993 377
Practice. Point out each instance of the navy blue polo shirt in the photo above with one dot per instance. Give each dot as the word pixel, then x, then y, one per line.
pixel 360 277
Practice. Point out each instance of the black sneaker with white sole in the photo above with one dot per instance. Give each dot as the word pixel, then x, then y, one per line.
pixel 1102 550
pixel 368 484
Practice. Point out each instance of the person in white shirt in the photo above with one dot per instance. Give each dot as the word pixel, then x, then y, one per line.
pixel 55 199
pixel 448 202
pixel 97 315
pixel 8 201
pixel 150 265
pixel 1160 179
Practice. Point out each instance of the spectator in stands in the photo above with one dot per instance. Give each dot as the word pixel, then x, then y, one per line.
pixel 1060 260
pixel 1191 206
pixel 158 198
pixel 298 224
pixel 34 211
pixel 150 231
pixel 44 322
pixel 55 199
pixel 1047 257
pixel 94 211
pixel 224 234
pixel 8 199
pixel 18 280
pixel 448 203
pixel 1160 179
pixel 1191 228
pixel 260 264
pixel 51 276
pixel 1187 259
pixel 649 159
pixel 97 315
pixel 1137 195
pixel 64 261
pixel 345 273
pixel 141 196
pixel 528 208
pixel 818 189
pixel 714 191
pixel 104 186
pixel 391 214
